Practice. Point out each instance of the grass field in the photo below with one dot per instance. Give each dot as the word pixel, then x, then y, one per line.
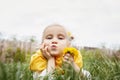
pixel 96 62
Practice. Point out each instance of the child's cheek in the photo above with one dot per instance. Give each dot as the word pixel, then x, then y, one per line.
pixel 46 42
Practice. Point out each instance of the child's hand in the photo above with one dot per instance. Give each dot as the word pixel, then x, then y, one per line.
pixel 68 58
pixel 45 51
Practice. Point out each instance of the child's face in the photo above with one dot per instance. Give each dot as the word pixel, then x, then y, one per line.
pixel 56 38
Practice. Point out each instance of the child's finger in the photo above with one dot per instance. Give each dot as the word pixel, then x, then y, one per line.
pixel 68 57
pixel 43 45
pixel 47 54
pixel 46 49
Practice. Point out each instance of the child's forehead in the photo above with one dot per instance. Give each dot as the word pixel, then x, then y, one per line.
pixel 58 29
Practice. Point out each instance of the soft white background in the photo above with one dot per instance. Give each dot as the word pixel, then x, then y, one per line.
pixel 92 22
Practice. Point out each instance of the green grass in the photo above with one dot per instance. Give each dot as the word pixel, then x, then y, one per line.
pixel 99 65
pixel 67 73
pixel 15 71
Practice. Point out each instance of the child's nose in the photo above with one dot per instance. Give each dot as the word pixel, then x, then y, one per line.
pixel 54 42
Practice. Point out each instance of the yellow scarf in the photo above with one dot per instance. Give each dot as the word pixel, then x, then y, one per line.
pixel 39 63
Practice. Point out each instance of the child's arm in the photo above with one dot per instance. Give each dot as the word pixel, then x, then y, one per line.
pixel 47 55
pixel 51 65
pixel 75 66
pixel 69 59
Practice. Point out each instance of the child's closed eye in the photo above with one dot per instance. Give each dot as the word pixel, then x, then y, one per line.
pixel 61 37
pixel 49 37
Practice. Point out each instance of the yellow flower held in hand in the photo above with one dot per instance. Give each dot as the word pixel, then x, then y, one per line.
pixel 70 50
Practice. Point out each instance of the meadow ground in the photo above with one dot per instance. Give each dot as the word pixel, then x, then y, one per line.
pixel 96 62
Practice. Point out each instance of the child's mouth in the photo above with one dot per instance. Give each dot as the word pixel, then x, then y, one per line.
pixel 53 47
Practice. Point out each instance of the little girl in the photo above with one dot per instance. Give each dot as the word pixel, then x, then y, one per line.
pixel 53 52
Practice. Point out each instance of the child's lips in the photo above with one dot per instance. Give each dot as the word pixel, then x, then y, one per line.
pixel 53 46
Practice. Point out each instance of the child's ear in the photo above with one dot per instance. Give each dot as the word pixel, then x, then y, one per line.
pixel 72 37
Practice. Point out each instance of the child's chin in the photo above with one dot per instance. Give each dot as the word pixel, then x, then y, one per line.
pixel 55 53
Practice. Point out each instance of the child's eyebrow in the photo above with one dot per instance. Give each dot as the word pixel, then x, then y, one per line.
pixel 48 34
pixel 62 33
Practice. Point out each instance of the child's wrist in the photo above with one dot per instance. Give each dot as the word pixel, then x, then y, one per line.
pixel 51 64
pixel 51 58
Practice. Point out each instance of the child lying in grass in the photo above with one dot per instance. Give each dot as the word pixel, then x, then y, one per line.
pixel 54 50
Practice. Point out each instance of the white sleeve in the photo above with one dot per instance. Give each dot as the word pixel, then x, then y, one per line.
pixel 37 75
pixel 86 74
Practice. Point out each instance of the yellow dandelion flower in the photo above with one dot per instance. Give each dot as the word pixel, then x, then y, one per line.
pixel 70 50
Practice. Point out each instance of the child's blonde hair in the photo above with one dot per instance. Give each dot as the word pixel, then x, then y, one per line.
pixel 69 35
